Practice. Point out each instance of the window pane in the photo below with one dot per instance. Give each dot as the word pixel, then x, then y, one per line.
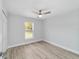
pixel 28 35
pixel 28 25
pixel 28 30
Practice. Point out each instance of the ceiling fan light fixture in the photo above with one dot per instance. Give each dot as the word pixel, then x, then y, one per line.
pixel 39 16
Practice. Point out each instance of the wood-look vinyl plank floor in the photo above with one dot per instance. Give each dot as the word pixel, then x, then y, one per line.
pixel 39 50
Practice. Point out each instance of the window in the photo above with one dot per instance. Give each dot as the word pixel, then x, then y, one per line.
pixel 28 26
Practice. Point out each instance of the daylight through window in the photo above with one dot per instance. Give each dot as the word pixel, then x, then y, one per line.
pixel 28 26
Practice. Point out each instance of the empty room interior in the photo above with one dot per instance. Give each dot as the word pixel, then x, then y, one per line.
pixel 39 29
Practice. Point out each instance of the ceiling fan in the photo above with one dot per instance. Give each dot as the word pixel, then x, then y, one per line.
pixel 42 12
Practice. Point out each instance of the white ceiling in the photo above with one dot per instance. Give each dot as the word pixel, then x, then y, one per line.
pixel 25 7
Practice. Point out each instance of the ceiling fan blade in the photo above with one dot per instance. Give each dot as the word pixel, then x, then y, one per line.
pixel 48 12
pixel 35 12
pixel 41 12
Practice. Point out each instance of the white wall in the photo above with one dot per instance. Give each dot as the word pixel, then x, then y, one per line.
pixel 0 27
pixel 4 32
pixel 0 34
pixel 64 30
pixel 16 29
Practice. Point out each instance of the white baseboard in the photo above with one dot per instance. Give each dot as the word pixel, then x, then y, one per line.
pixel 28 42
pixel 60 46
